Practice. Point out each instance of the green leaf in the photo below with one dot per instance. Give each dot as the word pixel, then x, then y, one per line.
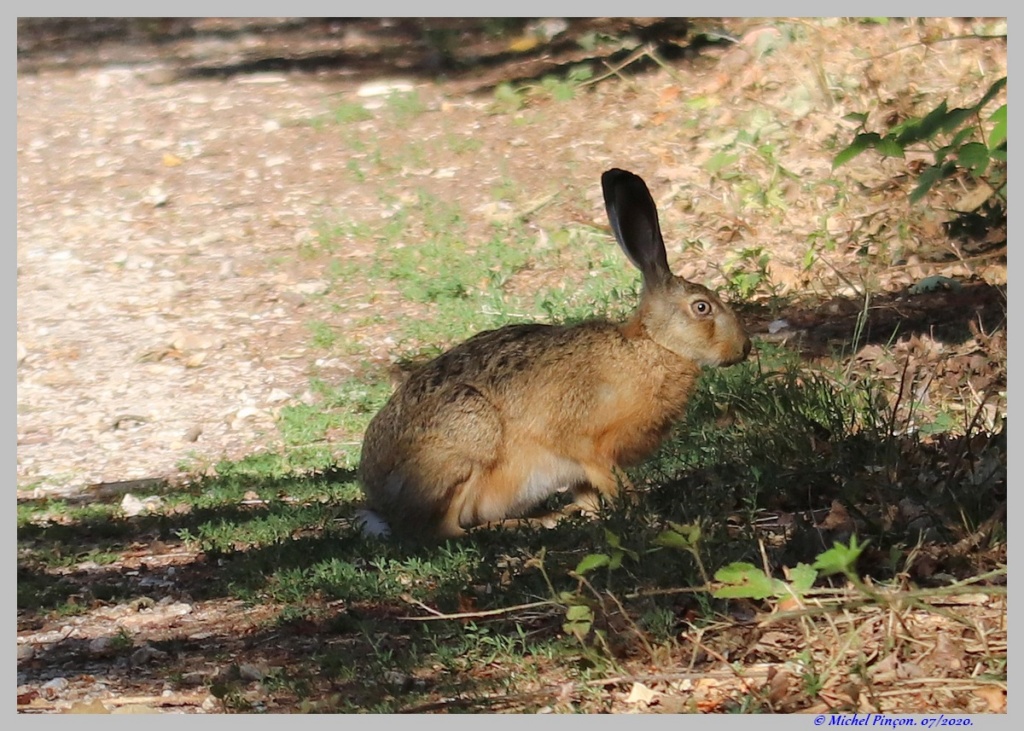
pixel 955 118
pixel 998 134
pixel 930 177
pixel 507 96
pixel 581 72
pixel 563 92
pixel 746 581
pixel 613 540
pixel 996 87
pixel 578 620
pixel 840 559
pixel 579 612
pixel 802 578
pixel 683 537
pixel 590 562
pixel 859 117
pixel 736 571
pixel 889 147
pixel 961 136
pixel 924 129
pixel 672 539
pixel 860 143
pixel 690 531
pixel 720 160
pixel 974 157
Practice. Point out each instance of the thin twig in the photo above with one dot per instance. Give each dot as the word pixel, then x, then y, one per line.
pixel 436 615
pixel 926 44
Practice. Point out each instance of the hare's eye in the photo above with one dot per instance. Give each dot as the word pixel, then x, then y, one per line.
pixel 701 308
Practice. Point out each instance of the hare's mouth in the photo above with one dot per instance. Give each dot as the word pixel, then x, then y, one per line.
pixel 737 356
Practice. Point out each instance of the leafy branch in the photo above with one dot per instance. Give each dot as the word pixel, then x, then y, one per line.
pixel 956 137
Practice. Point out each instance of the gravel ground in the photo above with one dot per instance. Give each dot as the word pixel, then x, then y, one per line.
pixel 148 328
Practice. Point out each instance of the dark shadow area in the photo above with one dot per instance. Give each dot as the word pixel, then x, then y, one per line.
pixel 482 51
pixel 348 640
pixel 952 313
pixel 333 609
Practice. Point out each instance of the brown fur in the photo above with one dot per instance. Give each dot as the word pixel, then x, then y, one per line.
pixel 489 429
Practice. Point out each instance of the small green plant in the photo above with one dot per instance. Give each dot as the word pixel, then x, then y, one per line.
pixel 349 112
pixel 743 580
pixel 563 90
pixel 746 272
pixel 509 98
pixel 122 641
pixel 959 140
pixel 405 105
pixel 323 334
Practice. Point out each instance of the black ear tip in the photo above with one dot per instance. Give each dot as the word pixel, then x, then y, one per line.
pixel 613 177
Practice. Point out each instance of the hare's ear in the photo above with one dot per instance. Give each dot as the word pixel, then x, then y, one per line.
pixel 634 220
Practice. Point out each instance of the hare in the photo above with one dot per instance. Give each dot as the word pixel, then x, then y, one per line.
pixel 491 428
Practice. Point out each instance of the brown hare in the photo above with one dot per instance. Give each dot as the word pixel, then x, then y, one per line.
pixel 488 430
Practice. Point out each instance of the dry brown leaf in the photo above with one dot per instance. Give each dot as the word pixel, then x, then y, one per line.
pixel 135 708
pixel 789 604
pixel 994 697
pixel 90 707
pixel 838 518
pixel 640 693
pixel 949 651
pixel 779 682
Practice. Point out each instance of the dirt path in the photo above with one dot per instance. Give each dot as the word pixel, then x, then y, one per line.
pixel 150 325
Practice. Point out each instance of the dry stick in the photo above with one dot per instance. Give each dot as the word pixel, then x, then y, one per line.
pixel 926 44
pixel 964 682
pixel 436 615
pixel 839 274
pixel 960 587
pixel 964 441
pixel 633 626
pixel 890 431
pixel 661 677
pixel 470 702
pixel 826 610
pixel 645 50
pixel 535 206
pixel 984 531
pixel 614 71
pixel 148 700
pixel 765 565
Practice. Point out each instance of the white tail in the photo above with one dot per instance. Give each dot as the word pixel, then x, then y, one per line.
pixel 372 525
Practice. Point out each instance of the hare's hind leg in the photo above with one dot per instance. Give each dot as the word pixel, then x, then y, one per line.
pixel 601 483
pixel 488 496
pixel 461 456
